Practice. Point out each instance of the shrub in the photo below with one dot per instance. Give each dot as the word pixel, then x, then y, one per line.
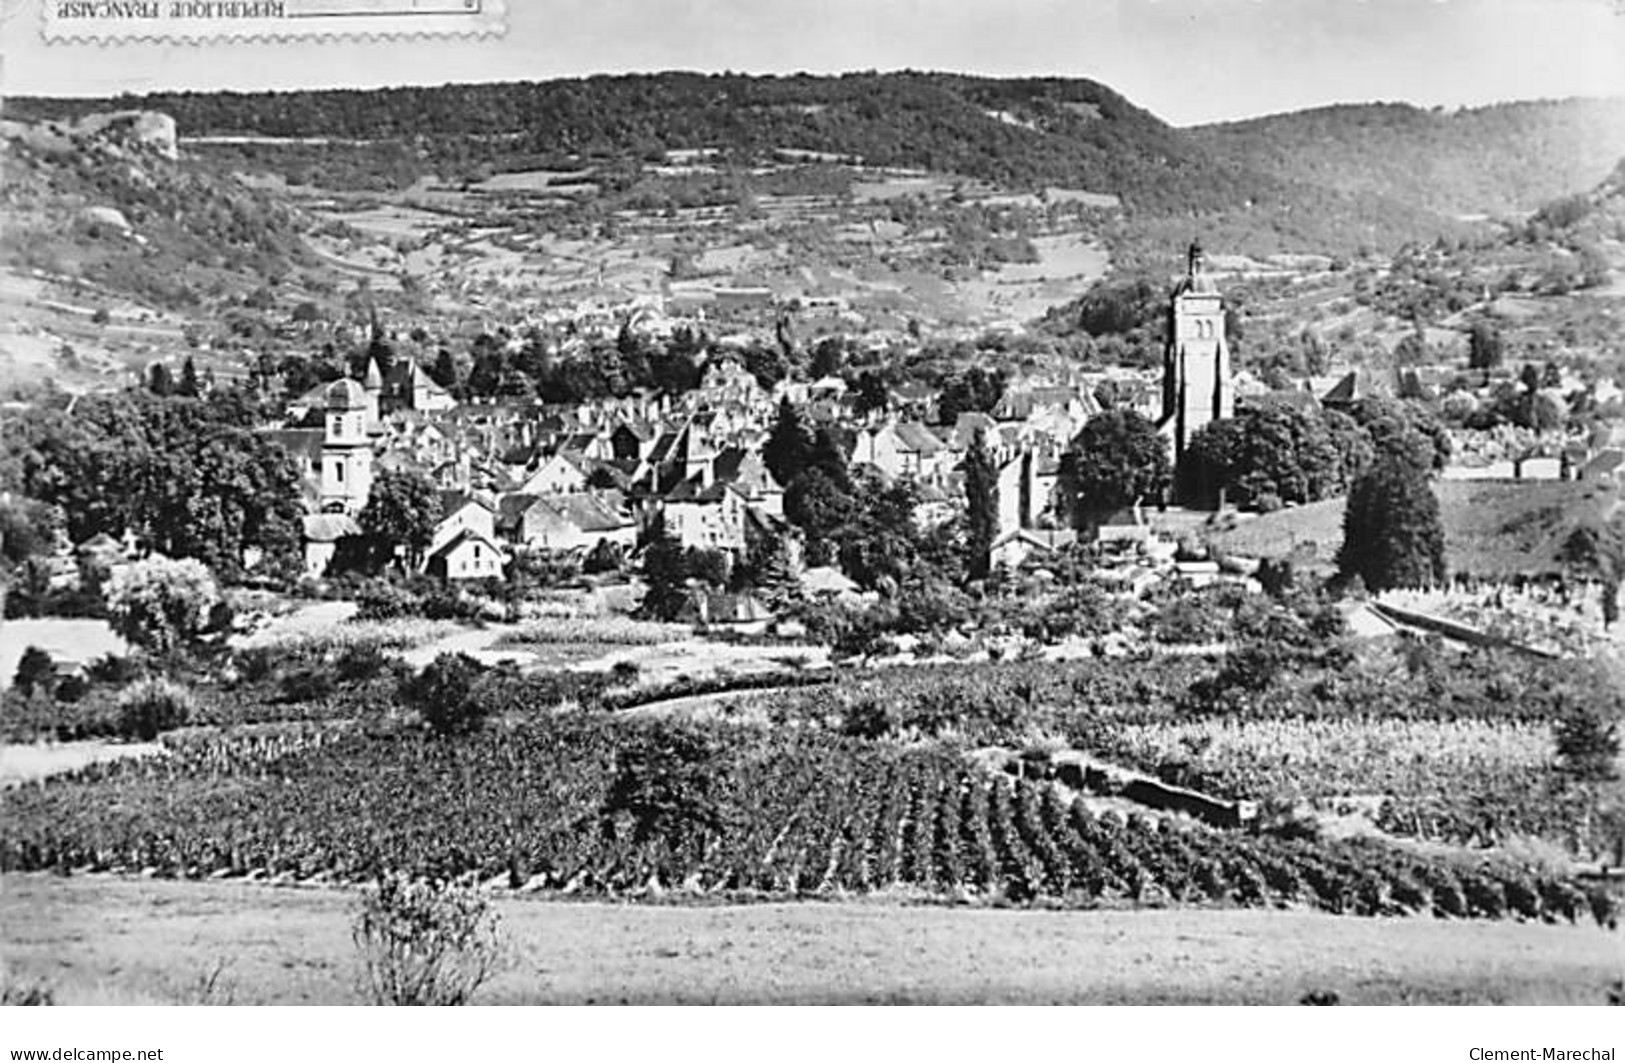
pixel 72 688
pixel 869 717
pixel 379 599
pixel 255 664
pixel 1588 744
pixel 161 604
pixel 152 706
pixel 114 670
pixel 361 662
pixel 442 694
pixel 310 683
pixel 29 994
pixel 34 669
pixel 424 943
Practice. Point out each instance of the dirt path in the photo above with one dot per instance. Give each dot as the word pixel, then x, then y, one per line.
pixel 107 940
pixel 29 763
pixel 474 641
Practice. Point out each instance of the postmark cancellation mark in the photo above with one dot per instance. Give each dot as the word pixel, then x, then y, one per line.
pixel 203 20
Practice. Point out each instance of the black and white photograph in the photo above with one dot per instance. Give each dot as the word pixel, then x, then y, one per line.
pixel 861 502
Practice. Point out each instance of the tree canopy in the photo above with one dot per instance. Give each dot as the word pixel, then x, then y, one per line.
pixel 1117 460
pixel 401 513
pixel 161 603
pixel 186 475
pixel 1271 454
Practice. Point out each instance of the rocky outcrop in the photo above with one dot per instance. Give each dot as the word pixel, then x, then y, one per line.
pixel 148 131
pixel 151 129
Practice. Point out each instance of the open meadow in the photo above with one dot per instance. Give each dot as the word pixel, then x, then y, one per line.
pixel 106 940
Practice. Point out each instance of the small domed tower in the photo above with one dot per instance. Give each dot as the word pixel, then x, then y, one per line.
pixel 346 449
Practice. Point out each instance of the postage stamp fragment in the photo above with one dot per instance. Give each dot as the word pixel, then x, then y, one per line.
pixel 202 20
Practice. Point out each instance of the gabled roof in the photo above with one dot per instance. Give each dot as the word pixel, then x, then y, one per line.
pixel 1046 539
pixel 452 501
pixel 590 511
pixel 827 579
pixel 692 491
pixel 512 507
pixel 917 438
pixel 643 430
pixel 966 427
pixel 1354 386
pixel 463 537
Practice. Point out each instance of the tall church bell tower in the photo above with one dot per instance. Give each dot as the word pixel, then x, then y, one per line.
pixel 1196 385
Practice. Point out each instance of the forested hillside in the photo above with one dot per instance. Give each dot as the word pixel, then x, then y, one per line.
pixel 1504 159
pixel 1023 133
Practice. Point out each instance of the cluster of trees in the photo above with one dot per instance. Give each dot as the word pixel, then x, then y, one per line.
pixel 853 517
pixel 187 476
pixel 1271 454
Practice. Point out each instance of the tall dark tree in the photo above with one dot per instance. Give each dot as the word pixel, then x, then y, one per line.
pixel 829 457
pixel 34 669
pixel 871 393
pixel 665 572
pixel 1117 460
pixel 829 357
pixel 976 390
pixel 1393 535
pixel 189 385
pixel 768 568
pixel 788 450
pixel 1485 347
pixel 981 505
pixel 1597 552
pixel 400 515
pixel 784 331
pixel 160 381
pixel 445 371
pixel 822 508
pixel 379 349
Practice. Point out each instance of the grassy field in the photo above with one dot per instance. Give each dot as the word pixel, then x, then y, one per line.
pixel 1490 527
pixel 119 941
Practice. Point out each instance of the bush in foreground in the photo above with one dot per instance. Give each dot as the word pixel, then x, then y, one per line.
pixel 442 693
pixel 424 943
pixel 151 706
pixel 161 604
